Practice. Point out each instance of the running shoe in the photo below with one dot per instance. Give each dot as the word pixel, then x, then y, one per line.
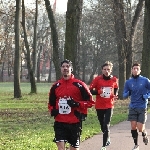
pixel 108 143
pixel 145 140
pixel 103 148
pixel 136 147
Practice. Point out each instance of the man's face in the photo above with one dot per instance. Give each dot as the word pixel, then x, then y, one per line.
pixel 136 70
pixel 66 69
pixel 107 70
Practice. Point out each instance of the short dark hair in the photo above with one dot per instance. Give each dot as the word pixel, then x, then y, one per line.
pixel 67 62
pixel 107 63
pixel 136 64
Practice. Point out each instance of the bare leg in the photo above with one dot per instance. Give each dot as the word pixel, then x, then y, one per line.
pixel 61 145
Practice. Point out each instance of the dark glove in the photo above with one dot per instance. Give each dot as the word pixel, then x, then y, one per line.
pixel 72 103
pixel 54 112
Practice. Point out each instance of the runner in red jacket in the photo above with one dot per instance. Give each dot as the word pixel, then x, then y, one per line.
pixel 105 87
pixel 69 99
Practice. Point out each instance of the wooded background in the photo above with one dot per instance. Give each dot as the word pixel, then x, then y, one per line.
pixel 35 39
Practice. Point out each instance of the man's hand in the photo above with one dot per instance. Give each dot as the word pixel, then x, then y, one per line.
pixel 72 103
pixel 54 112
pixel 115 97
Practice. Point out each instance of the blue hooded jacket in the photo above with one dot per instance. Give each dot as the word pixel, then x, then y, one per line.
pixel 136 88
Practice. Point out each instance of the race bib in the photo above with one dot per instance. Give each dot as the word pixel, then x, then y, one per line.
pixel 106 92
pixel 64 108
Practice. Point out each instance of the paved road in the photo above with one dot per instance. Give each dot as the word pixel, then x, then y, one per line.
pixel 120 138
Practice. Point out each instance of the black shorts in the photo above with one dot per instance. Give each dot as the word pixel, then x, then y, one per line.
pixel 104 115
pixel 70 133
pixel 138 115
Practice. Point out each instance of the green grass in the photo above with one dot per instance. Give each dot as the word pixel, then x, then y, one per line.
pixel 25 124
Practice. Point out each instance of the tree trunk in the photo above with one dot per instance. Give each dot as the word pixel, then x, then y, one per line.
pixel 2 72
pixel 38 63
pixel 146 41
pixel 34 54
pixel 73 19
pixel 54 35
pixel 17 90
pixel 29 65
pixel 120 31
pixel 124 42
pixel 129 56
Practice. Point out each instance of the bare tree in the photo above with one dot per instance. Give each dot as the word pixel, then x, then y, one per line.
pixel 73 19
pixel 34 54
pixel 121 37
pixel 54 36
pixel 7 38
pixel 124 42
pixel 131 37
pixel 17 90
pixel 27 54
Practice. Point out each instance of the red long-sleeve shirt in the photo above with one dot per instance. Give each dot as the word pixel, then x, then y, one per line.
pixel 105 99
pixel 60 93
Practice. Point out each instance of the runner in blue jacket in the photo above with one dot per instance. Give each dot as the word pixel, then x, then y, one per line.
pixel 137 88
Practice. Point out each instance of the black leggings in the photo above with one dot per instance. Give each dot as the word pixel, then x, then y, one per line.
pixel 104 117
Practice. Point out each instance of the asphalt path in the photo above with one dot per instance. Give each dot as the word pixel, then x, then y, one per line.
pixel 121 138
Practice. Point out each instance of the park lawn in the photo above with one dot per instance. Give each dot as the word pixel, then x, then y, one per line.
pixel 25 124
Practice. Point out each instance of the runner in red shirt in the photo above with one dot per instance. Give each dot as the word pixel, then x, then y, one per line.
pixel 69 99
pixel 105 87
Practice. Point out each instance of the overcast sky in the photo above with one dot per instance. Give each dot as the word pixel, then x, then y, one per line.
pixel 61 5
